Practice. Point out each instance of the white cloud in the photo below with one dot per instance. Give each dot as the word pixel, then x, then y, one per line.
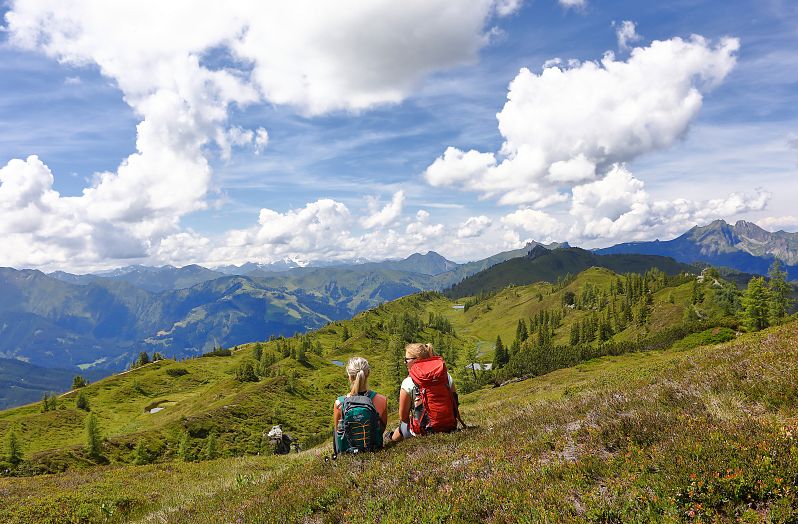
pixel 315 57
pixel 522 196
pixel 565 125
pixel 539 224
pixel 261 140
pixel 785 222
pixel 508 7
pixel 627 34
pixel 618 207
pixel 474 227
pixel 456 167
pixel 576 169
pixel 552 62
pixel 386 215
pixel 573 4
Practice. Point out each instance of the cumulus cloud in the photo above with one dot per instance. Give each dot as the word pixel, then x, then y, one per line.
pixel 618 206
pixel 537 223
pixel 314 57
pixel 386 215
pixel 568 125
pixel 474 227
pixel 785 222
pixel 627 34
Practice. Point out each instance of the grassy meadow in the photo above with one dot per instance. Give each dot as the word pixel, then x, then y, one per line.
pixel 708 434
pixel 637 432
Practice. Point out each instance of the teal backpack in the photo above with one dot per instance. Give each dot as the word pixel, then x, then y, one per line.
pixel 360 428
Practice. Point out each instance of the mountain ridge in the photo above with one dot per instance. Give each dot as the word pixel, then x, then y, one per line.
pixel 743 246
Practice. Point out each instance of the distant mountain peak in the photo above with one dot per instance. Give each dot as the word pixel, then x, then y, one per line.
pixel 538 251
pixel 743 246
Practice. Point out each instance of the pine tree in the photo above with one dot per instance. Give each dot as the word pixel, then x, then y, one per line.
pixel 93 438
pixel 521 332
pixel 45 402
pixel 500 357
pixel 697 293
pixel 345 334
pixel 779 292
pixel 755 304
pixel 211 451
pixel 141 454
pixel 82 402
pixel 574 339
pixel 184 450
pixel 257 351
pixel 246 372
pixel 13 448
pixel 79 382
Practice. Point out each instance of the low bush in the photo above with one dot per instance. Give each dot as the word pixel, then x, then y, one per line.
pixel 176 372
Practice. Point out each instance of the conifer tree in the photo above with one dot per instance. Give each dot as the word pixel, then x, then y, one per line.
pixel 521 333
pixel 302 351
pixel 779 292
pixel 93 438
pixel 13 448
pixel 345 334
pixel 79 382
pixel 500 354
pixel 246 372
pixel 211 451
pixel 755 304
pixel 82 402
pixel 184 450
pixel 45 402
pixel 257 351
pixel 697 293
pixel 574 339
pixel 140 454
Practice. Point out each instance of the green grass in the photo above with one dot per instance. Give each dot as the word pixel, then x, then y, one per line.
pixel 208 398
pixel 706 434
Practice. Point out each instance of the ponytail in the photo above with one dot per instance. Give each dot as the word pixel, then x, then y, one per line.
pixel 358 370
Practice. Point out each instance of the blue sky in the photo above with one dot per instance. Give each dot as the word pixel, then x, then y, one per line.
pixel 360 110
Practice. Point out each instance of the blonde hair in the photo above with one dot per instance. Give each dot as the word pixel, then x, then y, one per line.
pixel 418 350
pixel 358 370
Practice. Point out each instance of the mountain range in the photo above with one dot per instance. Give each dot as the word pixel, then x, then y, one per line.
pixel 743 246
pixel 99 322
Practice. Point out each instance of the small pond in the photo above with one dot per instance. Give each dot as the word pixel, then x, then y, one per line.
pixel 338 363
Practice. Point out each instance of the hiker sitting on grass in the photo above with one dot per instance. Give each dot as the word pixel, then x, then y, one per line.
pixel 360 417
pixel 427 397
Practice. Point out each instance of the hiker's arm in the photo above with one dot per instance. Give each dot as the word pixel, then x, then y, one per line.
pixel 404 406
pixel 384 414
pixel 336 415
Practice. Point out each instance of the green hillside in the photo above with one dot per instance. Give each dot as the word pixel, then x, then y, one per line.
pixel 551 265
pixel 705 434
pixel 171 413
pixel 297 378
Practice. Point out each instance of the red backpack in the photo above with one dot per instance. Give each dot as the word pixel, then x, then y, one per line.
pixel 437 413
